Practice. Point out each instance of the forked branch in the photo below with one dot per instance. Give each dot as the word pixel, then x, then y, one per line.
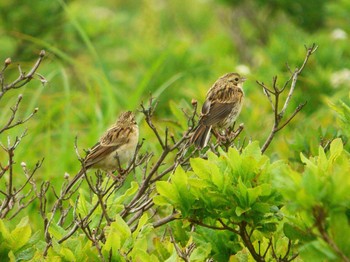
pixel 273 95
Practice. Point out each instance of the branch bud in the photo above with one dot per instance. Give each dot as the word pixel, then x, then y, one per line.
pixel 66 175
pixel 194 102
pixel 42 53
pixel 8 61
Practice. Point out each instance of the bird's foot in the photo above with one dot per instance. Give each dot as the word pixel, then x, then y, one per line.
pixel 221 138
pixel 232 134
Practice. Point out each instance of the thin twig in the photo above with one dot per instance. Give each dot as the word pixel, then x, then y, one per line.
pixel 278 115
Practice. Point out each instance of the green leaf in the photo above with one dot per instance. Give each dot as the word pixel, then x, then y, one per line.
pixel 12 256
pixel 201 252
pixel 205 169
pixel 25 254
pixel 113 242
pixel 253 194
pixel 83 206
pixel 116 233
pixel 173 257
pixel 340 230
pixel 261 207
pixel 322 160
pixel 142 255
pixel 21 234
pixel 233 157
pixel 4 233
pixel 67 254
pixel 128 193
pixel 161 201
pixel 240 211
pixel 142 221
pixel 295 233
pixel 266 189
pixel 184 194
pixel 336 149
pixel 122 227
pixel 252 150
pixel 179 181
pixel 56 231
pixel 168 191
pixel 268 227
pixel 242 194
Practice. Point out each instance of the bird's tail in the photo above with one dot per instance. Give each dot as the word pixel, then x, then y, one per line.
pixel 74 181
pixel 201 136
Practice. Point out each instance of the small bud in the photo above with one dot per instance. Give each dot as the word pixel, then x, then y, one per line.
pixel 42 53
pixel 8 61
pixel 194 102
pixel 66 175
pixel 23 164
pixel 20 96
pixel 36 109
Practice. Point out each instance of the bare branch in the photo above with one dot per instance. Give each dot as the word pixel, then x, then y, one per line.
pixel 279 115
pixel 23 78
pixel 166 220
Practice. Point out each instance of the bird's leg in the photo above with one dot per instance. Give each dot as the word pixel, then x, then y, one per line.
pixel 120 170
pixel 232 133
pixel 112 175
pixel 221 138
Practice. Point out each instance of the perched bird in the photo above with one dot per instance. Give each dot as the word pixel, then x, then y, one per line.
pixel 222 106
pixel 115 148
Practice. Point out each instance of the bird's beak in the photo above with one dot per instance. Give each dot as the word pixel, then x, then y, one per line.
pixel 243 79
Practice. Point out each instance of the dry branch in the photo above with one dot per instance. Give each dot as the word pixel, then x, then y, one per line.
pixel 273 95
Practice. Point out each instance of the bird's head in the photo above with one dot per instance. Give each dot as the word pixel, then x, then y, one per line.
pixel 234 78
pixel 127 118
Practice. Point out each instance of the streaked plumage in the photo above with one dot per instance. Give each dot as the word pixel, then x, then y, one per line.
pixel 221 108
pixel 117 144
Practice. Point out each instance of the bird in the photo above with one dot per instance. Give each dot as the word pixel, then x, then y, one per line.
pixel 221 108
pixel 116 147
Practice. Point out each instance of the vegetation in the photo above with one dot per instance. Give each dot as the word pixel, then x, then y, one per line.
pixel 277 191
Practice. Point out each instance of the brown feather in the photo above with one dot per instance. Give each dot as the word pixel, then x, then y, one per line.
pixel 201 136
pixel 221 107
pixel 123 136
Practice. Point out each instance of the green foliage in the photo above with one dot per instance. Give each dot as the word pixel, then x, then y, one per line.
pixel 310 208
pixel 230 188
pixel 241 181
pixel 19 242
pixel 319 201
pixel 343 111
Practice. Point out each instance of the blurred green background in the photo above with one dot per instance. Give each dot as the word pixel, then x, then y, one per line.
pixel 107 56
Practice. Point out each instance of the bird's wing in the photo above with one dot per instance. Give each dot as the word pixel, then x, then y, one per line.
pixel 219 104
pixel 216 113
pixel 116 136
pixel 109 142
pixel 98 153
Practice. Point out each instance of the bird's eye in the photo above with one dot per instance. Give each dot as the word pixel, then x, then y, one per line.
pixel 236 79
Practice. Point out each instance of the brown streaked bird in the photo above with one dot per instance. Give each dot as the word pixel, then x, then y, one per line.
pixel 115 148
pixel 221 108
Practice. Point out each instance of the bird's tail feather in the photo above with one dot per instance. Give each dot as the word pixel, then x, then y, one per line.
pixel 201 136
